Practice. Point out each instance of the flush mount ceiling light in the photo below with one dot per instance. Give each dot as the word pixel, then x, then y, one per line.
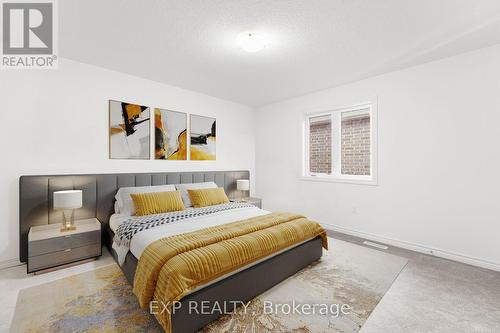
pixel 251 41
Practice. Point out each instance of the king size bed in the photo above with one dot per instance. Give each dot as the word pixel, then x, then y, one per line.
pixel 226 253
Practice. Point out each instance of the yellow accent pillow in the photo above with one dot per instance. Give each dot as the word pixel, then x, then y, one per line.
pixel 157 202
pixel 207 197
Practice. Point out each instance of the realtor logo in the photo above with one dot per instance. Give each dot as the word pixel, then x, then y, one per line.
pixel 28 32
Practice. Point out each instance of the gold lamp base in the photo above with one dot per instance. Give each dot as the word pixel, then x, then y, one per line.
pixel 68 224
pixel 68 228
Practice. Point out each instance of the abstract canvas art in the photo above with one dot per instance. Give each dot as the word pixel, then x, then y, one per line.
pixel 128 131
pixel 170 135
pixel 203 138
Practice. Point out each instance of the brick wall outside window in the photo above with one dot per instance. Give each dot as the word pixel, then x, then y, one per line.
pixel 355 145
pixel 320 147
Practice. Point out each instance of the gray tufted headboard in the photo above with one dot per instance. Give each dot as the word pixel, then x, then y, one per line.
pixel 36 194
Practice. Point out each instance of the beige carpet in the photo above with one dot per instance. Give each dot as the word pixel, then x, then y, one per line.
pixel 102 301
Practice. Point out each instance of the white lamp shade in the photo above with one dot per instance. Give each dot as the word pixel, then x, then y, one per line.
pixel 71 199
pixel 243 184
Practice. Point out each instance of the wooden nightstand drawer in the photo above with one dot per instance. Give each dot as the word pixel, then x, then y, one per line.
pixel 256 202
pixel 62 243
pixel 49 247
pixel 63 257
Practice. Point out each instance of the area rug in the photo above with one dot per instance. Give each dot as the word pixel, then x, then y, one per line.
pixel 343 288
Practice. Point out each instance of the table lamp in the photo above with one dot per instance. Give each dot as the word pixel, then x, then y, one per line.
pixel 243 185
pixel 68 201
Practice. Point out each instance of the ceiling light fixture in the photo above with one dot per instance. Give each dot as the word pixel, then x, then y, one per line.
pixel 251 41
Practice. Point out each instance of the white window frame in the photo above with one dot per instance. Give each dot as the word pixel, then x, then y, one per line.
pixel 336 175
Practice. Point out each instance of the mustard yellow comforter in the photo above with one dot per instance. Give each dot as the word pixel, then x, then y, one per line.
pixel 173 266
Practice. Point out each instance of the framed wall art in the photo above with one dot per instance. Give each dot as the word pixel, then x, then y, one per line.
pixel 203 138
pixel 170 135
pixel 129 131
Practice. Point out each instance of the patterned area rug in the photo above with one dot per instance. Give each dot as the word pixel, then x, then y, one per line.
pixel 102 300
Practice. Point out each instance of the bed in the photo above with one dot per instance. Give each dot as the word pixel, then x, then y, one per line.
pixel 35 195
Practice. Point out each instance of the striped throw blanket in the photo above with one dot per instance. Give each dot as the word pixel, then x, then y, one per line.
pixel 173 266
pixel 127 230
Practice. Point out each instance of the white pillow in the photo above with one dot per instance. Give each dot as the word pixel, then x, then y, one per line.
pixel 192 186
pixel 124 200
pixel 117 208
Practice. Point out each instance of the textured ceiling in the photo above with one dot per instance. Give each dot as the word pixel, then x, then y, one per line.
pixel 315 44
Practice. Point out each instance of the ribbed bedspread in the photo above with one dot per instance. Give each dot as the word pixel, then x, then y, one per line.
pixel 172 267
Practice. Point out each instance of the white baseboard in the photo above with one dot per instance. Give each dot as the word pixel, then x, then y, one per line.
pixel 418 248
pixel 377 238
pixel 10 263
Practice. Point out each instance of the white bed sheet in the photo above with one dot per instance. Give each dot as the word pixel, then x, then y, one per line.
pixel 116 219
pixel 142 239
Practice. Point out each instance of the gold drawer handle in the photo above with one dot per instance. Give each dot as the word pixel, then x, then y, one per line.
pixel 67 250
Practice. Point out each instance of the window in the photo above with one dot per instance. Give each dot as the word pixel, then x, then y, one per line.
pixel 340 145
pixel 320 144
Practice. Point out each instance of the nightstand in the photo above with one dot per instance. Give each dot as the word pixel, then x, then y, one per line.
pixel 48 247
pixel 257 202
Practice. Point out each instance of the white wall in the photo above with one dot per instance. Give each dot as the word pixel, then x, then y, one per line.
pixel 439 159
pixel 56 121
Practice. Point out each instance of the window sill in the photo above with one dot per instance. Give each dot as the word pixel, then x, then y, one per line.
pixel 347 180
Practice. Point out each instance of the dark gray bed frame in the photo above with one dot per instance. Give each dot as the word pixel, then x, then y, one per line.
pixel 36 195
